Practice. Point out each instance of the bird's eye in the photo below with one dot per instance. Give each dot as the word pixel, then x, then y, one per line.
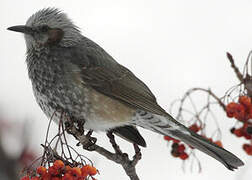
pixel 44 28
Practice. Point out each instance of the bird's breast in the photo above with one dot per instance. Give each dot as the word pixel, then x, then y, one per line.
pixel 107 113
pixel 56 88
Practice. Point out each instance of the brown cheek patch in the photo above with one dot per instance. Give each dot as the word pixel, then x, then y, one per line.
pixel 55 36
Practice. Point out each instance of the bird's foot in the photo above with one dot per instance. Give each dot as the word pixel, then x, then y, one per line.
pixel 80 125
pixel 87 141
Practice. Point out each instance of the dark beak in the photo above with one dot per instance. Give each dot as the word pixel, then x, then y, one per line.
pixel 22 29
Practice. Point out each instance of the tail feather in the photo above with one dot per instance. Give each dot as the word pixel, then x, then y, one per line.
pixel 225 157
pixel 168 126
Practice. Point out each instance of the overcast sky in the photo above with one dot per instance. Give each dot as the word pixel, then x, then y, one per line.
pixel 171 45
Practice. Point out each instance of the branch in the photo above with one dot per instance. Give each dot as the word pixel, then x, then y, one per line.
pixel 208 91
pixel 117 157
pixel 213 95
pixel 236 70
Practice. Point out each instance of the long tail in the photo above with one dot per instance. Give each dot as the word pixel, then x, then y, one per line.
pixel 170 127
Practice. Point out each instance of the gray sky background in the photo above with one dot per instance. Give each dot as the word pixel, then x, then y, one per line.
pixel 171 45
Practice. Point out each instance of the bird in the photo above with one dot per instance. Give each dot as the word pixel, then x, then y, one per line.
pixel 69 71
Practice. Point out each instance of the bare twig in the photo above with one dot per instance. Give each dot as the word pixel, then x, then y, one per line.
pixel 237 71
pixel 137 155
pixel 208 91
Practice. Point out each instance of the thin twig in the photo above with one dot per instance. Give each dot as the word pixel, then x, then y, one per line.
pixel 213 95
pixel 236 70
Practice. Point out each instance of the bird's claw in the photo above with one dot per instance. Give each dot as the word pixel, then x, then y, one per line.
pixel 89 143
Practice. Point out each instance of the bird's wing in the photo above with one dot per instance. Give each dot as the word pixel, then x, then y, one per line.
pixel 131 134
pixel 105 75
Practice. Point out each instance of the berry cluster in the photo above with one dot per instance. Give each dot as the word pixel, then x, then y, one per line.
pixel 178 148
pixel 60 171
pixel 242 111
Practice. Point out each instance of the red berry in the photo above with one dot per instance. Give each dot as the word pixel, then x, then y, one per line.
pixel 238 132
pixel 245 132
pixel 53 171
pixel 218 143
pixel 168 138
pixel 25 178
pixel 249 152
pixel 46 176
pixel 76 172
pixel 91 170
pixel 183 156
pixel 195 128
pixel 240 113
pixel 88 170
pixel 250 112
pixel 175 146
pixel 175 153
pixel 58 164
pixel 84 171
pixel 247 148
pixel 210 139
pixel 41 170
pixel 68 169
pixel 176 141
pixel 67 176
pixel 245 100
pixel 247 136
pixel 231 109
pixel 35 178
pixel 181 148
pixel 56 178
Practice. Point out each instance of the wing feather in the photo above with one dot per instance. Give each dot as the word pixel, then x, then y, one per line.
pixel 104 74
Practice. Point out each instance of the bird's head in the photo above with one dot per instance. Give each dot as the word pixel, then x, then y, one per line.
pixel 49 27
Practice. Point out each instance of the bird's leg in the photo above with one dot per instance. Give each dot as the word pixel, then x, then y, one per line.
pixel 91 141
pixel 80 125
pixel 70 129
pixel 87 141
